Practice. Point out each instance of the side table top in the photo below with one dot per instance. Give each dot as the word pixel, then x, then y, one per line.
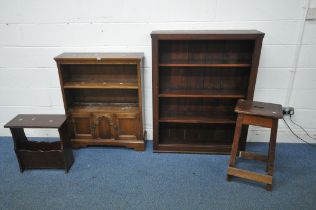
pixel 259 108
pixel 37 121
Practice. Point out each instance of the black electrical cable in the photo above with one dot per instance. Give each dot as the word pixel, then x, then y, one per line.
pixel 313 145
pixel 301 128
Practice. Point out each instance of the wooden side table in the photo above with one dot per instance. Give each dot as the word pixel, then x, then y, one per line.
pixel 32 154
pixel 258 114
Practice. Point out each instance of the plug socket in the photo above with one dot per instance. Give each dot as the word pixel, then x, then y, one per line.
pixel 288 110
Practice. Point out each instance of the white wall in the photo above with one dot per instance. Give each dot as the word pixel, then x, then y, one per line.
pixel 33 32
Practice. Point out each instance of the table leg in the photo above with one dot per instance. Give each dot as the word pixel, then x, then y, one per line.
pixel 19 140
pixel 66 146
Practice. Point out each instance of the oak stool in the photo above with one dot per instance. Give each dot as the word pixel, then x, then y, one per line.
pixel 32 154
pixel 258 114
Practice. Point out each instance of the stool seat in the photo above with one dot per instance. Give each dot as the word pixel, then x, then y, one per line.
pixel 259 114
pixel 259 109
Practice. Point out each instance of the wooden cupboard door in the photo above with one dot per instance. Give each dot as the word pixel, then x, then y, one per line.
pixel 105 126
pixel 127 126
pixel 83 126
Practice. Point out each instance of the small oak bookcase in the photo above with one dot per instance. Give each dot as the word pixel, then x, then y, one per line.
pixel 102 95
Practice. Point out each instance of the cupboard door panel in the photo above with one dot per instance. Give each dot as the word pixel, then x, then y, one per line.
pixel 127 126
pixel 83 126
pixel 105 127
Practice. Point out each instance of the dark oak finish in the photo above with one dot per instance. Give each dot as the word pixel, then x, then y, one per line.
pixel 32 154
pixel 260 114
pixel 36 121
pixel 198 76
pixel 259 109
pixel 208 32
pixel 205 65
pixel 102 95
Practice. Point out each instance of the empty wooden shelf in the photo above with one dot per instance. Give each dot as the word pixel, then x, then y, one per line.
pixel 204 65
pixel 198 77
pixel 102 95
pixel 101 85
pixel 201 94
pixel 200 119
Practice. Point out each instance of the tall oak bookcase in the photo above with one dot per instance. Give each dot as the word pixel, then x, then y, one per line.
pixel 198 76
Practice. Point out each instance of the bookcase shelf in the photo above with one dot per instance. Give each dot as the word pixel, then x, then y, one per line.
pixel 202 94
pixel 198 77
pixel 205 65
pixel 100 85
pixel 199 119
pixel 108 107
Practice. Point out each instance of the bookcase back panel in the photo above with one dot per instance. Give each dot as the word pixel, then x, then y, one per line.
pixel 101 96
pixel 198 107
pixel 203 78
pixel 206 51
pixel 204 134
pixel 99 73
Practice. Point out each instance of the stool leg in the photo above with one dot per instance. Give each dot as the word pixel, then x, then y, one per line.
pixel 271 154
pixel 20 140
pixel 236 140
pixel 235 145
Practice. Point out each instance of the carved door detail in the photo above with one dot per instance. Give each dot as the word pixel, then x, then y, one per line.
pixel 105 126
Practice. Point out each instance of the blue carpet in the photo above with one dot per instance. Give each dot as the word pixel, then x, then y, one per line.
pixel 118 178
